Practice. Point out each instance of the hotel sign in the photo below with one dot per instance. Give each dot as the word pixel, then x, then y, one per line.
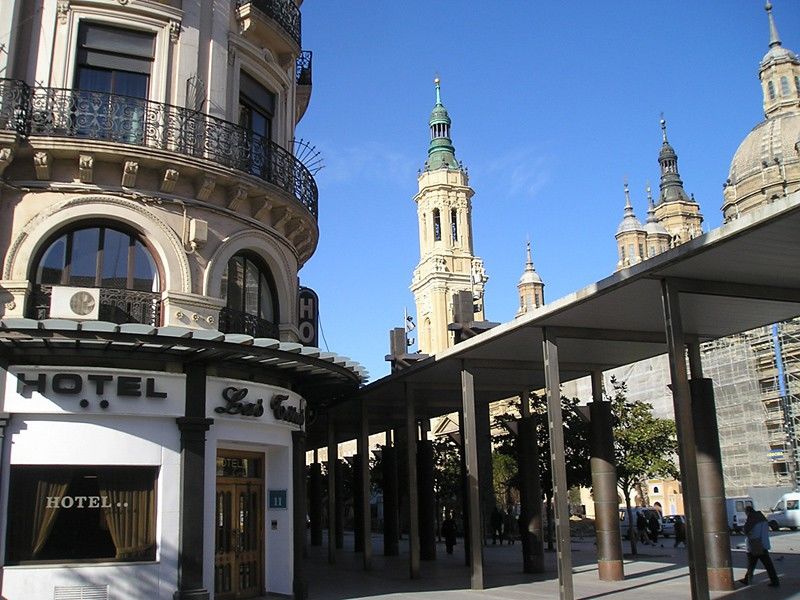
pixel 254 402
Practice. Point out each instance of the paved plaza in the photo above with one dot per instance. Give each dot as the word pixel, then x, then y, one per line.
pixel 657 573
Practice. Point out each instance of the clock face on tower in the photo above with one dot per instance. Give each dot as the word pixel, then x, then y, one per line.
pixel 81 303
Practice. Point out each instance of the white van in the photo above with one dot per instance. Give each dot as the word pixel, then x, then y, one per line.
pixel 786 512
pixel 735 506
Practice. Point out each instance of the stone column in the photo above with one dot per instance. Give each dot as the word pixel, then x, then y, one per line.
pixel 391 523
pixel 604 486
pixel 193 427
pixel 299 585
pixel 427 501
pixel 530 529
pixel 315 503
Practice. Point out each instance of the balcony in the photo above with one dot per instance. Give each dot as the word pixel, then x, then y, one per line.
pixel 234 321
pixel 274 24
pixel 116 306
pixel 303 78
pixel 63 113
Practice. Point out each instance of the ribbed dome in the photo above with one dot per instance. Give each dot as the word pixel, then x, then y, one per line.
pixel 779 54
pixel 775 138
pixel 530 277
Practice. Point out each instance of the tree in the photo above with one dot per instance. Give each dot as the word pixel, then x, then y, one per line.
pixel 644 446
pixel 576 448
pixel 447 479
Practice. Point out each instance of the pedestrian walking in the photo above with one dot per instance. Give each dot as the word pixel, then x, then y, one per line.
pixel 680 531
pixel 652 527
pixel 449 532
pixel 757 531
pixel 509 525
pixel 497 526
pixel 641 527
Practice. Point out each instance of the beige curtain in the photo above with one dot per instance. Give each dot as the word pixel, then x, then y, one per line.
pixel 44 517
pixel 131 515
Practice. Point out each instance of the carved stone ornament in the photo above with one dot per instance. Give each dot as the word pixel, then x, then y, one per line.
pixel 6 156
pixel 62 11
pixel 86 168
pixel 169 180
pixel 42 161
pixel 239 196
pixel 11 305
pixel 207 185
pixel 129 172
pixel 174 31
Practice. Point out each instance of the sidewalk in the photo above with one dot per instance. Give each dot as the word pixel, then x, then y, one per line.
pixel 657 573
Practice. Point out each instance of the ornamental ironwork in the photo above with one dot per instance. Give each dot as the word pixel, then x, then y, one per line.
pixel 56 112
pixel 116 306
pixel 302 68
pixel 235 321
pixel 284 12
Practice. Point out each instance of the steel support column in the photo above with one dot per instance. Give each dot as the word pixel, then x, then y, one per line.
pixel 473 502
pixel 300 584
pixel 333 455
pixel 530 518
pixel 358 499
pixel 413 503
pixel 427 500
pixel 462 460
pixel 315 503
pixel 556 427
pixel 366 513
pixel 604 485
pixel 682 401
pixel 391 520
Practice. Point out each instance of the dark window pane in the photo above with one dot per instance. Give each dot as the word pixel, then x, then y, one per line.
pixel 235 282
pixel 93 80
pixel 115 260
pixel 51 267
pixel 266 311
pixel 251 289
pixel 145 273
pixel 83 260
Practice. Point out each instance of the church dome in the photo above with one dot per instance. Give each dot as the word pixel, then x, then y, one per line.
pixel 776 140
pixel 529 277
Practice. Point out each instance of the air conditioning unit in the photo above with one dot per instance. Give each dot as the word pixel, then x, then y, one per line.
pixel 81 304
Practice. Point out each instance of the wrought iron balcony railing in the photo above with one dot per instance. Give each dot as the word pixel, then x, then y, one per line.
pixel 284 12
pixel 235 321
pixel 122 119
pixel 116 306
pixel 303 68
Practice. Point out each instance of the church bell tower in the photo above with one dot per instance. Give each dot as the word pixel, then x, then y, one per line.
pixel 447 264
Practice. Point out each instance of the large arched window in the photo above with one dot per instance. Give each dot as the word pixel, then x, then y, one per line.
pixel 106 257
pixel 251 304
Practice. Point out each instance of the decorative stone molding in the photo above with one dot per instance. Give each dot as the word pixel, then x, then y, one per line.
pixel 263 214
pixel 191 310
pixel 13 295
pixel 284 215
pixel 206 187
pixel 6 158
pixel 174 31
pixel 62 11
pixel 238 196
pixel 169 180
pixel 129 171
pixel 86 168
pixel 42 161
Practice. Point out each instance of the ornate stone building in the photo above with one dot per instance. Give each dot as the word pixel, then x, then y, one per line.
pixel 156 363
pixel 530 286
pixel 447 262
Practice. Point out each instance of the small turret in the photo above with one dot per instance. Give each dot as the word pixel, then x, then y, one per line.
pixel 530 286
pixel 630 236
pixel 441 152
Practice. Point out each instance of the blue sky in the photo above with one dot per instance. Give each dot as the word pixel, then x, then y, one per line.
pixel 553 105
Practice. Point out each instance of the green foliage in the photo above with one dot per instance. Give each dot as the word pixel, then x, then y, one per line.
pixel 447 476
pixel 644 445
pixel 504 474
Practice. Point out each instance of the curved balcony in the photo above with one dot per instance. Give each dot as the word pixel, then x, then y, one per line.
pixel 235 321
pixel 282 12
pixel 55 112
pixel 116 305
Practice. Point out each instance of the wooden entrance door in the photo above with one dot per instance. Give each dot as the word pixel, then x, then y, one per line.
pixel 239 526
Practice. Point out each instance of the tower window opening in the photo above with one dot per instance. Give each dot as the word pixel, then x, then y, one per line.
pixel 784 86
pixel 771 90
pixel 437 226
pixel 454 224
pixel 797 83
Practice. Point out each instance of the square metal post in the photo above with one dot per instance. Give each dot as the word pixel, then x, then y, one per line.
pixel 687 450
pixel 363 452
pixel 413 500
pixel 333 456
pixel 556 426
pixel 473 501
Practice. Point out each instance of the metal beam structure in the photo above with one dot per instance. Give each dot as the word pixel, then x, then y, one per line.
pixel 366 512
pixel 413 499
pixel 473 480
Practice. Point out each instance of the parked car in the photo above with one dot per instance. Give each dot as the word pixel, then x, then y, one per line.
pixel 786 512
pixel 735 506
pixel 668 524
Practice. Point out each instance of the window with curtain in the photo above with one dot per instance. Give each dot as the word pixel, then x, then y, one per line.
pixel 112 74
pixel 249 288
pixel 81 514
pixel 98 257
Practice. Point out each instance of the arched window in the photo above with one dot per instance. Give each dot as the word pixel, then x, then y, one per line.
pixel 771 90
pixel 437 225
pixel 784 86
pixel 114 260
pixel 454 224
pixel 251 305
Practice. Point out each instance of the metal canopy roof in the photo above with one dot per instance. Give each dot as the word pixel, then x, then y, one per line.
pixel 742 275
pixel 322 375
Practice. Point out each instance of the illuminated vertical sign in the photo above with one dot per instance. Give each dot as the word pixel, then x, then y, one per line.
pixel 308 317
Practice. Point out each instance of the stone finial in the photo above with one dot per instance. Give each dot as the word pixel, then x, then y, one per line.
pixel 129 171
pixel 86 168
pixel 169 180
pixel 42 162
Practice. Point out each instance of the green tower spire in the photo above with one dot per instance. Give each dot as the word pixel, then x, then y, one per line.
pixel 441 153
